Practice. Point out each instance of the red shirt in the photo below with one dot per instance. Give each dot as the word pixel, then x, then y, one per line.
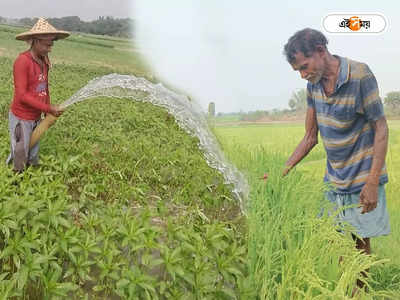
pixel 31 91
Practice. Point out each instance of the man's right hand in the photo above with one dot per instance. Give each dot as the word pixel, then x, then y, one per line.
pixel 56 110
pixel 308 142
pixel 286 171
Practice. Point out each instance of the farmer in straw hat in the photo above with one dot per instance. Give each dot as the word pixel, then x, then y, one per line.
pixel 345 107
pixel 31 92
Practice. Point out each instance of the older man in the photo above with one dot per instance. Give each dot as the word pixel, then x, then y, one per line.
pixel 344 105
pixel 31 92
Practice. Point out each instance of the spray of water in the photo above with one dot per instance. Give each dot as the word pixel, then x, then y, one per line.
pixel 187 113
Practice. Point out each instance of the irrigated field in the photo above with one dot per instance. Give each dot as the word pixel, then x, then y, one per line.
pixel 123 205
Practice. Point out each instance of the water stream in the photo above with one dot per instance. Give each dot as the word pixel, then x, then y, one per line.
pixel 188 114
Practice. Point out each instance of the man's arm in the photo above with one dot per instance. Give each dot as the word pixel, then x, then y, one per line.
pixel 372 108
pixel 369 193
pixel 308 142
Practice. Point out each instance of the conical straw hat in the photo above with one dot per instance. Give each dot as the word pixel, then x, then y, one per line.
pixel 42 27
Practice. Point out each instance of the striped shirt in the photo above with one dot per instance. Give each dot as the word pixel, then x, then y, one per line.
pixel 344 124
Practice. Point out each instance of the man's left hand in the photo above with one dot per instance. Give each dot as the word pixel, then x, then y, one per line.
pixel 369 197
pixel 56 110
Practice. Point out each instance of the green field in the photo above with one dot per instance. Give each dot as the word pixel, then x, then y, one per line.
pixel 124 205
pixel 259 149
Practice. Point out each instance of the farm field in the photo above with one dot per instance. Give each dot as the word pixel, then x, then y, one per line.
pixel 259 149
pixel 124 205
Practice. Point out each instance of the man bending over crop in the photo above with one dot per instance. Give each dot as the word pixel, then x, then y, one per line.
pixel 344 105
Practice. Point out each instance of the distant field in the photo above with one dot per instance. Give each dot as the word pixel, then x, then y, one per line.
pixel 226 119
pixel 81 49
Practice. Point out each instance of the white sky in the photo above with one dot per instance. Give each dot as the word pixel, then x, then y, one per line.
pixel 230 51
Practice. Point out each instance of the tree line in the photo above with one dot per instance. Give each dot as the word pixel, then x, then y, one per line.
pixel 102 26
pixel 298 102
pixel 297 107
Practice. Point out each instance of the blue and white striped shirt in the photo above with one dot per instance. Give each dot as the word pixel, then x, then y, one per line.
pixel 344 124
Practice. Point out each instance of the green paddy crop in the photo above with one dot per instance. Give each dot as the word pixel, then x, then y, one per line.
pixel 292 252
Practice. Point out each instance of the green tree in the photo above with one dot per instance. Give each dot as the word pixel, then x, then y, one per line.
pixel 102 26
pixel 211 109
pixel 298 101
pixel 392 102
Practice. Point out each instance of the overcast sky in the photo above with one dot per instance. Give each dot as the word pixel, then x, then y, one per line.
pixel 85 9
pixel 230 51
